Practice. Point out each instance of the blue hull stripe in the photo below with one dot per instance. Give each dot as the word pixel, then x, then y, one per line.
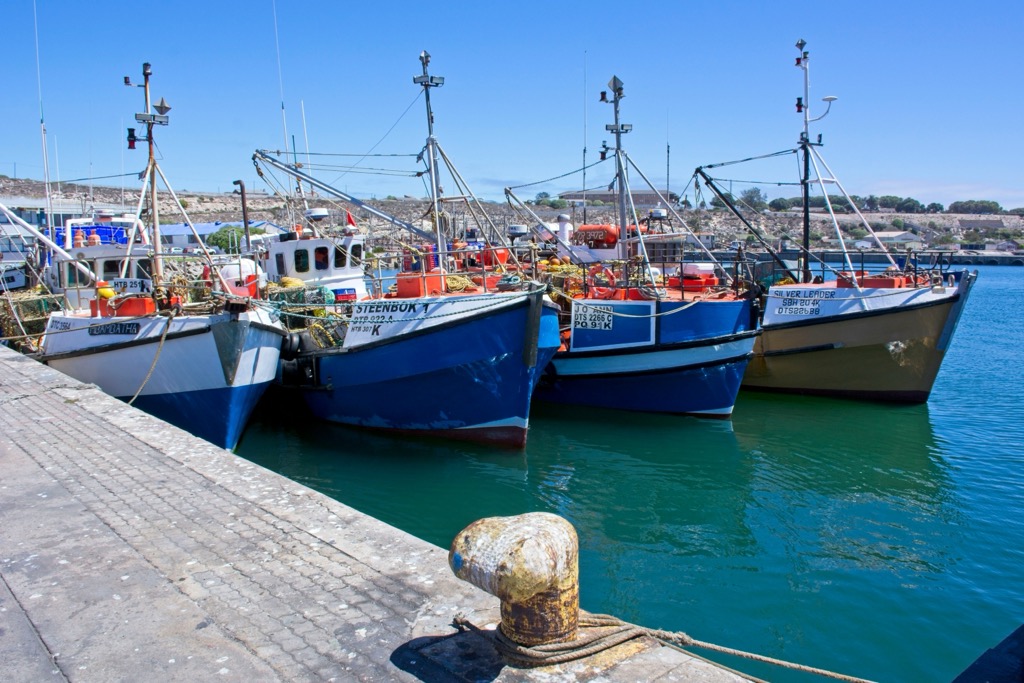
pixel 217 415
pixel 705 390
pixel 460 377
pixel 693 365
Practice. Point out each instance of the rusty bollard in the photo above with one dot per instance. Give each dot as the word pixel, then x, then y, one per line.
pixel 531 563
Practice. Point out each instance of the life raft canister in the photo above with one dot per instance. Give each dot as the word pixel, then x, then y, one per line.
pixel 596 236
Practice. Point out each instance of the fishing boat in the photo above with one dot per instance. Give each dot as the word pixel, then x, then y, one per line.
pixel 15 246
pixel 134 326
pixel 850 332
pixel 12 277
pixel 637 335
pixel 452 348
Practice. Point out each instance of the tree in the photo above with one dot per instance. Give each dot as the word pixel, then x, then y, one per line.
pixel 975 206
pixel 889 201
pixel 754 198
pixel 897 223
pixel 717 202
pixel 935 207
pixel 840 204
pixel 230 238
pixel 871 203
pixel 541 196
pixel 910 205
pixel 779 204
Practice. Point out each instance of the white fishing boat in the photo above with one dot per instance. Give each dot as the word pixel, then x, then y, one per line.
pixel 135 327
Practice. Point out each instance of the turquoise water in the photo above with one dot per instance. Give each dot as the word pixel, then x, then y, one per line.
pixel 878 541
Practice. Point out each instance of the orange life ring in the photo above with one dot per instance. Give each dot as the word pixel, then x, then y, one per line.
pixel 605 288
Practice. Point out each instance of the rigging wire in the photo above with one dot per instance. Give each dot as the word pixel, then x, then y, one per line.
pixel 356 169
pixel 754 158
pixel 740 181
pixel 559 177
pixel 42 119
pixel 101 177
pixel 280 77
pixel 383 137
pixel 362 156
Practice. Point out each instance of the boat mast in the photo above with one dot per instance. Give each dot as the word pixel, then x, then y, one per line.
pixel 428 82
pixel 620 169
pixel 584 137
pixel 803 106
pixel 151 119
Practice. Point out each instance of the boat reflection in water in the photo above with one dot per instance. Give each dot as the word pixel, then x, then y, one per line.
pixel 750 533
pixel 873 539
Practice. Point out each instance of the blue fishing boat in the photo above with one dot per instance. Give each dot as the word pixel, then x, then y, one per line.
pixel 658 356
pixel 665 337
pixel 458 366
pixel 454 348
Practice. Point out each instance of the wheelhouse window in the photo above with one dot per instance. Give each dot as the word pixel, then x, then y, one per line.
pixel 74 277
pixel 301 260
pixel 340 257
pixel 144 269
pixel 320 256
pixel 111 270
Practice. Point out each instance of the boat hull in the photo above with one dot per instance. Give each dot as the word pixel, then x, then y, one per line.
pixel 209 371
pixel 665 357
pixel 890 353
pixel 467 376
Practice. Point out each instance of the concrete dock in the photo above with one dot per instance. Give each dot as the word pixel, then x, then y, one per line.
pixel 130 549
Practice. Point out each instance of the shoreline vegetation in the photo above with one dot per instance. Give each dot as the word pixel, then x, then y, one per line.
pixel 937 230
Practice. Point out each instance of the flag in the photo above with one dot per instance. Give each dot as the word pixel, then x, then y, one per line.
pixel 349 220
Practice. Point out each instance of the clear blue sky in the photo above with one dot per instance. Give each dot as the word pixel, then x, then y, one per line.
pixel 930 97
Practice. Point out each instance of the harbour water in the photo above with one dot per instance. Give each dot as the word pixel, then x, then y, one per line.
pixel 879 541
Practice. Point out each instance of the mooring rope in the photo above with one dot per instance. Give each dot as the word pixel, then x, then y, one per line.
pixel 159 348
pixel 612 632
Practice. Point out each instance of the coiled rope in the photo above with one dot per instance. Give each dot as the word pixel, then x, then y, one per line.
pixel 599 632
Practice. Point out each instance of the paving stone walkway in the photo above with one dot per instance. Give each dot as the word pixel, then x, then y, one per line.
pixel 130 549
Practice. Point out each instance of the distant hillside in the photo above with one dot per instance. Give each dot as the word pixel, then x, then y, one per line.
pixel 226 207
